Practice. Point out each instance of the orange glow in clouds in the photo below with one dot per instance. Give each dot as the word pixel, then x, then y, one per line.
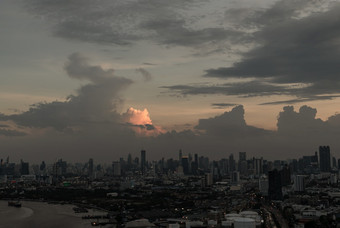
pixel 141 122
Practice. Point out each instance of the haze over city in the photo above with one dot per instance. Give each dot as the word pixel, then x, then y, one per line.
pixel 102 79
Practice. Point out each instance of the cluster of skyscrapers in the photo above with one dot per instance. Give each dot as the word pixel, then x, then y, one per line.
pixel 187 164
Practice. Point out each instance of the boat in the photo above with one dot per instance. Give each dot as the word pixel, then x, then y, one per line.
pixel 14 203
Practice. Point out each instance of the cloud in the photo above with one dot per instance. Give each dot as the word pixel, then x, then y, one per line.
pixel 243 89
pixel 146 74
pixel 299 133
pixel 150 64
pixel 169 23
pixel 141 122
pixel 300 100
pixel 95 102
pixel 229 124
pixel 138 117
pixel 293 46
pixel 306 127
pixel 222 105
pixel 78 67
pixel 175 32
pixel 11 133
pixel 292 122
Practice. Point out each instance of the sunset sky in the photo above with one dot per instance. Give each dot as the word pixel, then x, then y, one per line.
pixel 103 78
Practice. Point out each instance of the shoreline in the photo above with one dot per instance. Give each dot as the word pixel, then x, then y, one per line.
pixel 43 214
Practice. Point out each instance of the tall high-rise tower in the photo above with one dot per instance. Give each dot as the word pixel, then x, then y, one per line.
pixel 242 162
pixel 231 163
pixel 180 156
pixel 24 168
pixel 90 171
pixel 143 161
pixel 242 156
pixel 325 158
pixel 185 164
pixel 274 185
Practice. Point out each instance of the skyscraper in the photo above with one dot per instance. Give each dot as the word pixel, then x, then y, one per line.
pixel 231 163
pixel 274 185
pixel 24 168
pixel 90 171
pixel 325 158
pixel 129 160
pixel 60 167
pixel 116 168
pixel 242 156
pixel 258 166
pixel 185 164
pixel 143 161
pixel 285 176
pixel 180 156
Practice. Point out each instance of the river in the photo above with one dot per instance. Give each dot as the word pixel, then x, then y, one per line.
pixel 40 214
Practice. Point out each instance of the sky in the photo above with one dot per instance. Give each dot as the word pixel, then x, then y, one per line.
pixel 102 78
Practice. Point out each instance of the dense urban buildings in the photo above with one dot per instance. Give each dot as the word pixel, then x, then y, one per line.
pixel 225 192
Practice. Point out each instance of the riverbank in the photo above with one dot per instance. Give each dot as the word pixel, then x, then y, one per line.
pixel 41 214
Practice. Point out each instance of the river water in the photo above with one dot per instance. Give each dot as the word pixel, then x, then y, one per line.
pixel 40 214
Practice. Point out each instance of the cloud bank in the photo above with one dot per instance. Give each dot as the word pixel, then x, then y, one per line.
pixel 123 23
pixel 298 132
pixel 95 102
pixel 295 52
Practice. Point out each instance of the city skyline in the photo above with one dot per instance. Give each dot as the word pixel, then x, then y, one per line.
pixel 323 157
pixel 212 77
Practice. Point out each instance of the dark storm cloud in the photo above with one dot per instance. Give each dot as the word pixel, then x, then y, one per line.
pixel 307 126
pixel 125 22
pixel 94 102
pixel 222 105
pixel 280 11
pixel 293 50
pixel 292 122
pixel 175 32
pixel 300 100
pixel 299 132
pixel 229 124
pixel 243 89
pixel 87 20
